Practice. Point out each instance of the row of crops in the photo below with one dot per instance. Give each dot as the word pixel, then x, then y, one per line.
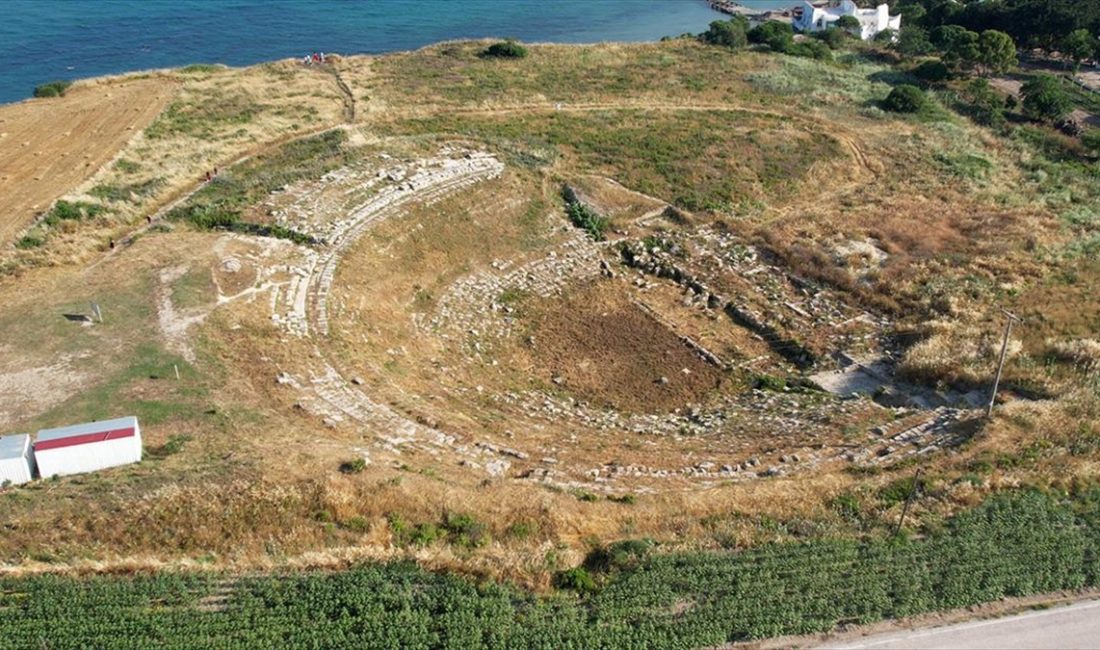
pixel 1015 544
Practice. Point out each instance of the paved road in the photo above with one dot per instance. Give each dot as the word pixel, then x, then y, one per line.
pixel 1072 626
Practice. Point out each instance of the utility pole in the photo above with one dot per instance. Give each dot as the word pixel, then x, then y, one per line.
pixel 908 500
pixel 1012 318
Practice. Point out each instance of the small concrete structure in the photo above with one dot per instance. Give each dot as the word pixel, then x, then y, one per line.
pixel 87 447
pixel 816 17
pixel 16 459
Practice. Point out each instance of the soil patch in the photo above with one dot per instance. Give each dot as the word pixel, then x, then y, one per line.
pixel 605 349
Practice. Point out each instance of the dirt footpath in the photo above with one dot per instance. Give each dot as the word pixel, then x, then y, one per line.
pixel 49 146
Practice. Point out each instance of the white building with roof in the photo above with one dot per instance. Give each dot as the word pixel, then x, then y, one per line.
pixel 87 447
pixel 16 459
pixel 816 17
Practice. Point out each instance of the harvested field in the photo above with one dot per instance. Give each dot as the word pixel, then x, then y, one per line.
pixel 50 146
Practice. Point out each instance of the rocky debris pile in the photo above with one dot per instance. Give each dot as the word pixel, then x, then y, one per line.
pixel 875 376
pixel 299 306
pixel 326 394
pixel 750 435
pixel 933 433
pixel 476 304
pixel 305 306
pixel 776 306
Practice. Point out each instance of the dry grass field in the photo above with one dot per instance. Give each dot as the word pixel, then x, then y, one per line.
pixel 589 295
pixel 50 146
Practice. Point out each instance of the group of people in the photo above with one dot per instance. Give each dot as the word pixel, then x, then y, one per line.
pixel 210 175
pixel 317 58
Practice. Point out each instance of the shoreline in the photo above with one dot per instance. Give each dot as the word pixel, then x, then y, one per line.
pixel 128 39
pixel 143 73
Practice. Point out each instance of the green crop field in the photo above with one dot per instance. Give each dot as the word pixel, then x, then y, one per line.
pixel 1012 545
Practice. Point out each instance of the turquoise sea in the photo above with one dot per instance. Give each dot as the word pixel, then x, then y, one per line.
pixel 43 40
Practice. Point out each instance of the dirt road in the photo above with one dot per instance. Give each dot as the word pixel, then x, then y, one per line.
pixel 1071 626
pixel 49 146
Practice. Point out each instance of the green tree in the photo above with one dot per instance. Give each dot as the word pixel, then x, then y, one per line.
pixel 912 41
pixel 849 24
pixel 779 37
pixel 1079 45
pixel 960 46
pixel 729 33
pixel 905 99
pixel 996 51
pixel 1044 99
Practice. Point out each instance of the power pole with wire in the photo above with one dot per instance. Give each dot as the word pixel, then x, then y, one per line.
pixel 1012 319
pixel 908 500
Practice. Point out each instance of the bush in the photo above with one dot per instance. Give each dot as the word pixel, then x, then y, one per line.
pixel 769 382
pixel 848 23
pixel 932 71
pixel 422 535
pixel 729 33
pixel 587 219
pixel 505 50
pixel 52 89
pixel 885 37
pixel 905 99
pixel 71 211
pixel 1045 99
pixel 464 530
pixel 577 579
pixel 811 50
pixel 27 242
pixel 779 37
pixel 353 466
pixel 985 104
pixel 898 491
pixel 620 555
pixel 1091 140
pixel 357 524
pixel 833 37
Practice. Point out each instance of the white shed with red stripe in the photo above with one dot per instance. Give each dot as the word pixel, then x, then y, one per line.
pixel 16 460
pixel 87 447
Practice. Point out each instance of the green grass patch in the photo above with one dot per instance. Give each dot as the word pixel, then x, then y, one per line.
pixel 457 73
pixel 205 114
pixel 700 160
pixel 220 204
pixel 130 193
pixel 127 166
pixel 72 211
pixel 30 241
pixel 201 68
pixel 115 396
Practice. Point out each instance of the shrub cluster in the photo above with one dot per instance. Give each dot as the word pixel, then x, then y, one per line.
pixel 52 89
pixel 505 50
pixel 585 217
pixel 905 99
